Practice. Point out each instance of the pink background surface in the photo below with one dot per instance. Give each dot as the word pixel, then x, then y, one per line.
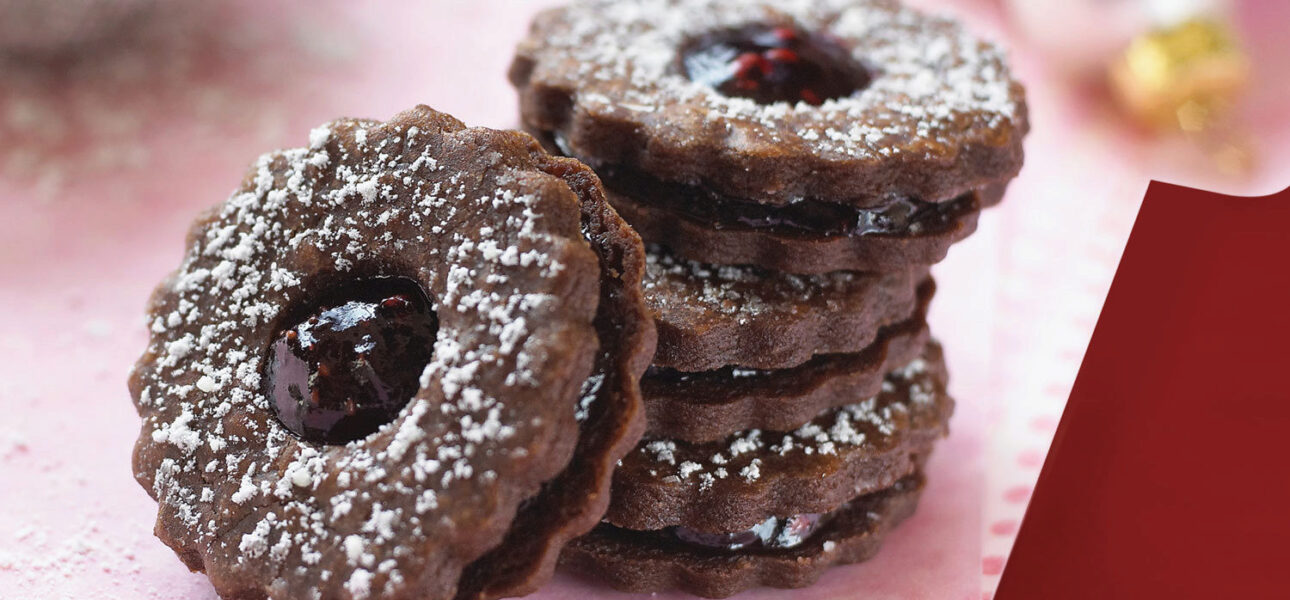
pixel 106 158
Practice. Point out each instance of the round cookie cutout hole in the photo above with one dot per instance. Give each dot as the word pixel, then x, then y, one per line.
pixel 773 63
pixel 350 363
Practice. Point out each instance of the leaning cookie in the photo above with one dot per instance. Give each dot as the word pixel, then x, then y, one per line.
pixel 372 355
pixel 709 405
pixel 720 566
pixel 736 483
pixel 848 102
pixel 712 316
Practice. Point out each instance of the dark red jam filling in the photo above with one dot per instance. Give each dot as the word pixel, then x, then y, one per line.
pixel 775 533
pixel 353 362
pixel 807 218
pixel 771 64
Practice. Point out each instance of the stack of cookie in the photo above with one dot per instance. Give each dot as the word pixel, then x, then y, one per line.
pixel 795 169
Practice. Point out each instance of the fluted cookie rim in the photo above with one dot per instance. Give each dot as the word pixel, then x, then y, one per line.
pixel 714 316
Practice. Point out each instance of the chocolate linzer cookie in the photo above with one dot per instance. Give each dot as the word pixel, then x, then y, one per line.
pixel 375 352
pixel 808 238
pixel 852 103
pixel 707 406
pixel 711 316
pixel 784 553
pixel 738 482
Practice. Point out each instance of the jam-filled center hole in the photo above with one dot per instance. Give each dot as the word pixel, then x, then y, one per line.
pixel 770 63
pixel 352 360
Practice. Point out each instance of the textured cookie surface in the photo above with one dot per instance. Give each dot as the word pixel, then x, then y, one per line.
pixel 937 115
pixel 655 561
pixel 710 316
pixel 474 220
pixel 737 482
pixel 710 405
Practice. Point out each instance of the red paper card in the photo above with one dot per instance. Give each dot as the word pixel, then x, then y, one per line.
pixel 1169 474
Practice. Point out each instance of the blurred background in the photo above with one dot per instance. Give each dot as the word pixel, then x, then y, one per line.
pixel 120 119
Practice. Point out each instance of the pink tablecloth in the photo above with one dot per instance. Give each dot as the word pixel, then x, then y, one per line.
pixel 106 158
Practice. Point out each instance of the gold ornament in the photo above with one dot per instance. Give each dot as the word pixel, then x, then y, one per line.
pixel 1186 78
pixel 1181 77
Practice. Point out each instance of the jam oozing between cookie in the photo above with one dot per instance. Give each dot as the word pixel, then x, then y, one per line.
pixel 775 533
pixel 807 218
pixel 353 362
pixel 773 64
